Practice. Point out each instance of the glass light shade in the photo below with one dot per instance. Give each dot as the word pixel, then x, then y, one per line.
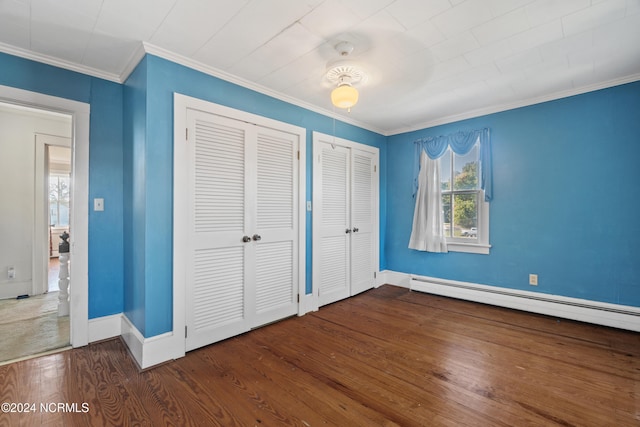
pixel 344 96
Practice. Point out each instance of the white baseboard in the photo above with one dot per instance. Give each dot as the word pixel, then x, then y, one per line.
pixel 10 290
pixel 599 313
pixel 105 327
pixel 307 304
pixel 149 352
pixel 394 278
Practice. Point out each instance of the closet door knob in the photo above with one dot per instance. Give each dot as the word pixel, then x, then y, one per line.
pixel 257 237
pixel 348 230
pixel 355 230
pixel 246 239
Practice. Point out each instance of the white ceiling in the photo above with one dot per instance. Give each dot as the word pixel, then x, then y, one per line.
pixel 428 61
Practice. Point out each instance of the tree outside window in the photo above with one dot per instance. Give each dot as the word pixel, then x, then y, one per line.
pixel 460 200
pixel 59 200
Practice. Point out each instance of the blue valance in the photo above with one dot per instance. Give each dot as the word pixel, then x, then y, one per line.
pixel 460 143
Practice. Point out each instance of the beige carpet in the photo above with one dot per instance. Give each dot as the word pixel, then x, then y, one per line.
pixel 31 326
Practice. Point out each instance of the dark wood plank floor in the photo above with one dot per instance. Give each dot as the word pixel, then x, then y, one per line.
pixel 384 358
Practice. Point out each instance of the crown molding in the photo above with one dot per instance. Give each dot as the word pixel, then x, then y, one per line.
pixel 148 48
pixel 132 63
pixel 518 104
pixel 223 75
pixel 56 62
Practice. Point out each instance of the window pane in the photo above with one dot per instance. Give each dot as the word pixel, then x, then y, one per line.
pixel 445 171
pixel 59 200
pixel 446 207
pixel 465 215
pixel 466 170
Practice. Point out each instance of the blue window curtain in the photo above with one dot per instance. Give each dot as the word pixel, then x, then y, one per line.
pixel 460 143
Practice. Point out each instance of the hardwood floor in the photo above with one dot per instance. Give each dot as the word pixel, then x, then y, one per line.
pixel 384 358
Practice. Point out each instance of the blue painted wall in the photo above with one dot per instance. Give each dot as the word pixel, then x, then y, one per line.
pixel 566 199
pixel 105 168
pixel 151 295
pixel 135 136
pixel 105 181
pixel 550 161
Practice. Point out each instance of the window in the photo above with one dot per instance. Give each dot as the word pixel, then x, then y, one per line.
pixel 453 185
pixel 466 214
pixel 59 200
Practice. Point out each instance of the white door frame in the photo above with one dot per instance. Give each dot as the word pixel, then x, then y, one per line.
pixel 39 283
pixel 318 139
pixel 181 199
pixel 79 284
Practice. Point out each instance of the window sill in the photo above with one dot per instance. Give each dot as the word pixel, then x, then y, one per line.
pixel 472 248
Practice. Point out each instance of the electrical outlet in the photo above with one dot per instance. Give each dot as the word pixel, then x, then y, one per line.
pixel 533 279
pixel 11 273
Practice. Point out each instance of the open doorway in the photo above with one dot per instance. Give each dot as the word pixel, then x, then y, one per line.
pixel 36 168
pixel 79 242
pixel 52 215
pixel 59 202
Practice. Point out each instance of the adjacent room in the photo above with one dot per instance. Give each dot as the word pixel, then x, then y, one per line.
pixel 321 212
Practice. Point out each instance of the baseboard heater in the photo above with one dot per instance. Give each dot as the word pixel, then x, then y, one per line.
pixel 614 315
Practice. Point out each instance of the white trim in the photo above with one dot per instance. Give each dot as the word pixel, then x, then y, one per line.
pixel 302 222
pixel 599 313
pixel 394 278
pixel 102 328
pixel 149 352
pixel 307 304
pixel 132 63
pixel 492 109
pixel 57 62
pixel 471 248
pixel 12 289
pixel 132 338
pixel 149 48
pixel 79 287
pixel 231 78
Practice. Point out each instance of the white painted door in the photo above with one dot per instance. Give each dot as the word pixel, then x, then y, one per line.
pixel 332 215
pixel 363 220
pixel 273 259
pixel 242 268
pixel 345 226
pixel 216 277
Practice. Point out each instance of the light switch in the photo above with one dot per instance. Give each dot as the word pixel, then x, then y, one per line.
pixel 98 205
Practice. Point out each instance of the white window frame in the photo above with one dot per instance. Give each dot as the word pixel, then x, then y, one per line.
pixel 480 245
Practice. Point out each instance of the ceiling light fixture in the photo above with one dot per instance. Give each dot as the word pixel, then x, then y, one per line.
pixel 345 95
pixel 344 73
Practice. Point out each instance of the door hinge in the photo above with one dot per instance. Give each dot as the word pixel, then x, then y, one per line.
pixel 375 275
pixel 185 331
pixel 298 298
pixel 298 154
pixel 375 168
pixel 186 134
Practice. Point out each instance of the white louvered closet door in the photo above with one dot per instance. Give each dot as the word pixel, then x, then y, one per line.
pixel 216 277
pixel 274 255
pixel 243 243
pixel 345 219
pixel 334 223
pixel 363 220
